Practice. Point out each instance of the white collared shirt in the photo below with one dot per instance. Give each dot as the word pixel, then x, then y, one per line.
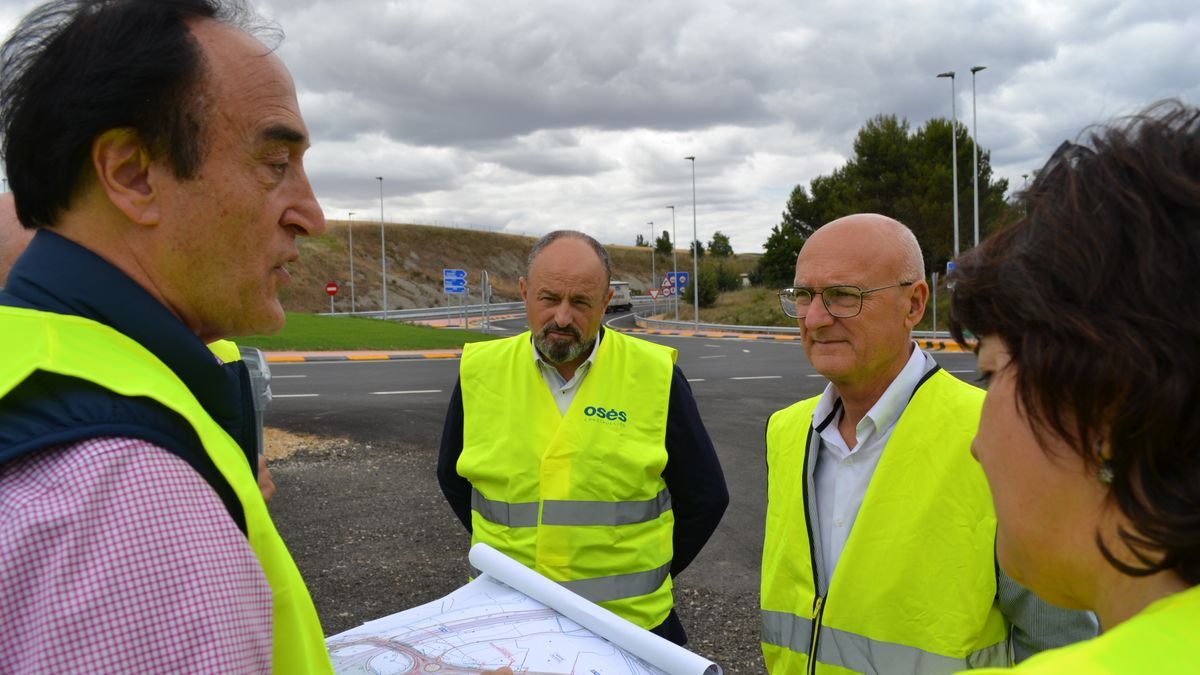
pixel 564 390
pixel 843 473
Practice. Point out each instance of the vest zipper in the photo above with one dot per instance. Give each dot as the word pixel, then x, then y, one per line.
pixel 818 599
pixel 818 609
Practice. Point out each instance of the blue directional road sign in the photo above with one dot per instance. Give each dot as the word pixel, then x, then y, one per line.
pixel 679 279
pixel 454 281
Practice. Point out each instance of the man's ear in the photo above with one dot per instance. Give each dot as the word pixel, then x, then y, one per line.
pixel 123 167
pixel 521 283
pixel 918 299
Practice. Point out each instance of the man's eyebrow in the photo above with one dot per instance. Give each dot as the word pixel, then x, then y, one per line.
pixel 283 133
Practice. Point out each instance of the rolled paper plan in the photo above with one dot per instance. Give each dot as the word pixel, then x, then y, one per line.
pixel 643 644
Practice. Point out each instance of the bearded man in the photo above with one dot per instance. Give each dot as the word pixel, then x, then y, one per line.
pixel 580 452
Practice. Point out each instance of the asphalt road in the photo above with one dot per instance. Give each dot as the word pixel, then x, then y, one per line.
pixel 737 383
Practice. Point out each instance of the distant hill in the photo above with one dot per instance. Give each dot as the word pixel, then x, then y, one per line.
pixel 416 255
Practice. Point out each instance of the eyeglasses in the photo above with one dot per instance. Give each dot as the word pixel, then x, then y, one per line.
pixel 842 302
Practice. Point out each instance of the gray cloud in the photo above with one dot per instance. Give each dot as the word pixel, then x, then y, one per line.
pixel 525 116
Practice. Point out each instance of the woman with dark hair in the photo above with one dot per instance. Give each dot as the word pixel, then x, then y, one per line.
pixel 1088 317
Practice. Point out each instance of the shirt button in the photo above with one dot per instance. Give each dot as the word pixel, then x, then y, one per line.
pixel 839 522
pixel 849 461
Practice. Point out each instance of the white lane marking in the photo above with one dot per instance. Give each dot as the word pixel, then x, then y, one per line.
pixel 698 379
pixel 411 391
pixel 368 362
pixel 758 377
pixel 275 396
pixel 714 356
pixel 713 346
pixel 747 351
pixel 815 375
pixel 286 377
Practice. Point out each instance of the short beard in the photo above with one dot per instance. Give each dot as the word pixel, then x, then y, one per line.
pixel 559 352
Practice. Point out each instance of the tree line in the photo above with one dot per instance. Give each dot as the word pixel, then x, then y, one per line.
pixel 900 173
pixel 718 246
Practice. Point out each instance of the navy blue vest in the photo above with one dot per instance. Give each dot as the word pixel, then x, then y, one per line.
pixel 47 410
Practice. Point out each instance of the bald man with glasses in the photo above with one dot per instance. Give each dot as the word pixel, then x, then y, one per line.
pixel 880 534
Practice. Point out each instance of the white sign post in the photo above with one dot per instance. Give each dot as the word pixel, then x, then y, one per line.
pixel 454 282
pixel 486 298
pixel 935 278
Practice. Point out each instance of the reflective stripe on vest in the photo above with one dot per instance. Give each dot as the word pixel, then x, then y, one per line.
pixel 905 588
pixel 548 488
pixel 862 654
pixel 76 347
pixel 615 587
pixel 503 513
pixel 578 512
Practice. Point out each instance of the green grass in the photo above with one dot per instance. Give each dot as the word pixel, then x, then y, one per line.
pixel 305 332
pixel 760 307
pixel 744 307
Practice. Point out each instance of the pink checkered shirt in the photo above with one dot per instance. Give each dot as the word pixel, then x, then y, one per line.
pixel 116 556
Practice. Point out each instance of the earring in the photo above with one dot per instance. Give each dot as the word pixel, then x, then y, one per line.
pixel 1105 471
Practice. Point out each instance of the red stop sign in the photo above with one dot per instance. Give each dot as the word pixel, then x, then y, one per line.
pixel 331 288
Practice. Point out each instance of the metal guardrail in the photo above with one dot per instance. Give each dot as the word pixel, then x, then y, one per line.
pixel 644 321
pixel 453 310
pixel 642 306
pixel 434 312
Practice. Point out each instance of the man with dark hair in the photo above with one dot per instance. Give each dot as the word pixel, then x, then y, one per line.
pixel 579 452
pixel 156 147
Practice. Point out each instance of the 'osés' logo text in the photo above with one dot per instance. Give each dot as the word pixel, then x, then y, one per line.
pixel 605 414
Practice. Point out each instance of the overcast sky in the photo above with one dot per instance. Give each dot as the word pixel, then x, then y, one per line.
pixel 526 116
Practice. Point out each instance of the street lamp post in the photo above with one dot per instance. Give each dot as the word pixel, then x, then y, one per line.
pixel 382 248
pixel 653 274
pixel 350 231
pixel 674 264
pixel 975 144
pixel 695 253
pixel 953 153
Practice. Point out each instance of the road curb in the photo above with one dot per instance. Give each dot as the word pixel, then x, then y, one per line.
pixel 931 345
pixel 330 357
pixel 284 357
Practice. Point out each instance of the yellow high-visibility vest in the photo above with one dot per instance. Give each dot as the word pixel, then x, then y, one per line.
pixel 1162 639
pixel 578 497
pixel 915 587
pixel 81 348
pixel 226 350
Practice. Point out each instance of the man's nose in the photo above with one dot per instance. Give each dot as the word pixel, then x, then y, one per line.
pixel 304 214
pixel 817 315
pixel 562 315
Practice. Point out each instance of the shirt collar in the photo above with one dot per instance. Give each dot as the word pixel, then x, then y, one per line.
pixel 55 274
pixel 543 364
pixel 887 410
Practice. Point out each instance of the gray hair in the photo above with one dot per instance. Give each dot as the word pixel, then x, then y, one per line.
pixel 912 263
pixel 571 234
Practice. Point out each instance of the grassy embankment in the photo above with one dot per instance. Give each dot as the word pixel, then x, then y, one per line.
pixel 305 332
pixel 760 307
